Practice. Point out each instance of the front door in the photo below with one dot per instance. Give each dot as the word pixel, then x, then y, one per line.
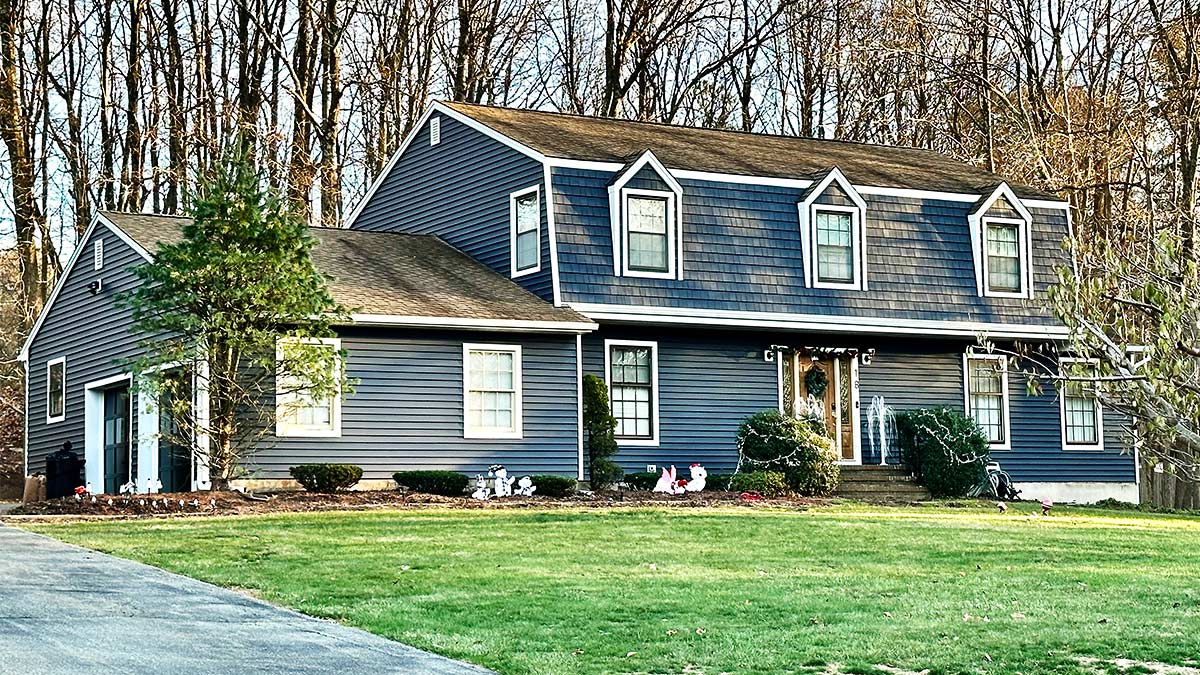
pixel 117 470
pixel 174 450
pixel 832 384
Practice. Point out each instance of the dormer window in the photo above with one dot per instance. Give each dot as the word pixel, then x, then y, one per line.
pixel 648 231
pixel 1000 242
pixel 644 202
pixel 832 234
pixel 525 236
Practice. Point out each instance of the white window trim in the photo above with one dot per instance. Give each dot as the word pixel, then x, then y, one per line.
pixel 653 441
pixel 808 231
pixel 856 238
pixel 53 419
pixel 672 228
pixel 1062 411
pixel 517 431
pixel 617 197
pixel 1022 257
pixel 1006 408
pixel 536 190
pixel 977 221
pixel 296 431
pixel 98 254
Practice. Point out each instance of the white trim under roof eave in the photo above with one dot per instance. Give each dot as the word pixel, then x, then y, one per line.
pixel 501 325
pixel 813 322
pixel 66 272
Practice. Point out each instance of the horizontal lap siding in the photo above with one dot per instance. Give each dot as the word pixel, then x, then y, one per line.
pixel 742 252
pixel 915 375
pixel 709 382
pixel 93 335
pixel 407 410
pixel 459 190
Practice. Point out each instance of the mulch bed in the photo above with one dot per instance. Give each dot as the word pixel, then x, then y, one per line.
pixel 235 503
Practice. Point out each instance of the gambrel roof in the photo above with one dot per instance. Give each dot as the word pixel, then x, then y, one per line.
pixel 384 274
pixel 598 139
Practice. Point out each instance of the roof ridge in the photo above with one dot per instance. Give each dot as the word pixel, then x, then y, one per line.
pixel 718 130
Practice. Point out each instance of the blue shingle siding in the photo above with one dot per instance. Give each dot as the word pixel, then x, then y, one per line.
pixel 1001 208
pixel 459 190
pixel 710 381
pixel 834 195
pixel 648 179
pixel 742 252
pixel 93 335
pixel 407 410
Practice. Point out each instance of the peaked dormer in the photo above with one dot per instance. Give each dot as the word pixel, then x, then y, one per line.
pixel 1001 245
pixel 833 234
pixel 644 202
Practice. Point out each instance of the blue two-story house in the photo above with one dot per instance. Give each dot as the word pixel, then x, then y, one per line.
pixel 705 275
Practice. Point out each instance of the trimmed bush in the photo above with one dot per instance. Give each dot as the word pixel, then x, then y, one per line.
pixel 326 477
pixel 946 449
pixel 549 485
pixel 600 428
pixel 642 480
pixel 772 441
pixel 718 482
pixel 766 483
pixel 445 483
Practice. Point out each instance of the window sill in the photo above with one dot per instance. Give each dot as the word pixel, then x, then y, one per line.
pixel 478 435
pixel 56 420
pixel 1099 447
pixel 638 274
pixel 1005 294
pixel 837 285
pixel 642 442
pixel 307 433
pixel 517 274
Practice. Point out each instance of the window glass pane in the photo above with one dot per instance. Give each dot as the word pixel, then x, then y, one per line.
pixel 527 250
pixel 1004 257
pixel 632 392
pixel 527 212
pixel 491 395
pixel 835 246
pixel 528 220
pixel 986 390
pixel 54 390
pixel 1081 417
pixel 647 234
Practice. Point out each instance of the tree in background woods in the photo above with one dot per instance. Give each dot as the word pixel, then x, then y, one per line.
pixel 234 310
pixel 117 105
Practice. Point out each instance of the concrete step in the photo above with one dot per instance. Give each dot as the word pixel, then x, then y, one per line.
pixel 872 476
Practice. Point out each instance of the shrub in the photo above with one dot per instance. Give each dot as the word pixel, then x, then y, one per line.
pixel 642 480
pixel 765 483
pixel 600 427
pixel 772 441
pixel 549 485
pixel 445 483
pixel 326 477
pixel 946 449
pixel 718 482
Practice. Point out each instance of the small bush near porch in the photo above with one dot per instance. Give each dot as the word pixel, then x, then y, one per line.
pixel 710 590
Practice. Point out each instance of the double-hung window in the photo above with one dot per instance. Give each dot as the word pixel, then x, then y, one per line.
pixel 987 397
pixel 835 246
pixel 1079 407
pixel 526 223
pixel 649 233
pixel 492 391
pixel 1004 249
pixel 300 412
pixel 56 390
pixel 633 389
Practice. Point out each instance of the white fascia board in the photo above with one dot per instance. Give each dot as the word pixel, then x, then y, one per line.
pixel 813 322
pixel 503 325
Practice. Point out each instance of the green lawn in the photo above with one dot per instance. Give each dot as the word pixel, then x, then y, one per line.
pixel 716 590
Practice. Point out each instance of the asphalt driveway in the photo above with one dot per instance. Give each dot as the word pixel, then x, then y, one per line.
pixel 68 610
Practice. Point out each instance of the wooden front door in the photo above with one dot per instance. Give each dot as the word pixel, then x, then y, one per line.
pixel 116 439
pixel 835 389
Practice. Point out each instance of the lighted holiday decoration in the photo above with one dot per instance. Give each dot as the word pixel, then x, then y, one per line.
pixel 699 477
pixel 525 487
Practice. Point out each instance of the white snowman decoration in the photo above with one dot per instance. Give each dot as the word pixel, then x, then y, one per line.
pixel 502 483
pixel 699 476
pixel 525 487
pixel 481 489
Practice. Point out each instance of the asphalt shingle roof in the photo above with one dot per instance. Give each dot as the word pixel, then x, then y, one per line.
pixel 391 274
pixel 602 139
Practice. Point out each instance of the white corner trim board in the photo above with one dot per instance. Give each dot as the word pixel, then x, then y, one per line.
pixel 1079 492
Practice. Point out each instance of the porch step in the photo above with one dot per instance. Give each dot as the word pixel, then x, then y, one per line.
pixel 880 483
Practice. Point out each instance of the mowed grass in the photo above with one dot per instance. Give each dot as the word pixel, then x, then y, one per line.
pixel 715 590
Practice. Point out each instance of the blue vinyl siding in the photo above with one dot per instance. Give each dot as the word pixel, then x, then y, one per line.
pixel 742 252
pixel 711 380
pixel 458 190
pixel 407 410
pixel 93 335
